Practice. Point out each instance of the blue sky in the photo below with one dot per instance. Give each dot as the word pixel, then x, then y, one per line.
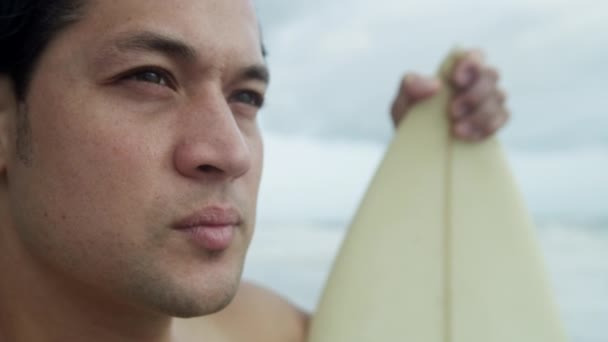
pixel 335 67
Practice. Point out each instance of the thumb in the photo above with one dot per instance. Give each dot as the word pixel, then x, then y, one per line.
pixel 413 89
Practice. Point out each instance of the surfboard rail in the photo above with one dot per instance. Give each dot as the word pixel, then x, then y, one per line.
pixel 441 248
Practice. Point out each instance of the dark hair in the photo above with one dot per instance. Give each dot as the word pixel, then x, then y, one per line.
pixel 26 28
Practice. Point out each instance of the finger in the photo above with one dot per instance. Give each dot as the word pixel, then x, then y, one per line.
pixel 493 126
pixel 485 121
pixel 467 69
pixel 413 89
pixel 470 99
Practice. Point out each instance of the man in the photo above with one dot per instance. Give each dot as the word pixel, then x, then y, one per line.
pixel 131 157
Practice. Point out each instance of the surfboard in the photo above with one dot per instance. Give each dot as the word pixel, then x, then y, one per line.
pixel 441 248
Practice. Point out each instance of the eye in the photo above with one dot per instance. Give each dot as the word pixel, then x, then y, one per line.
pixel 151 75
pixel 248 97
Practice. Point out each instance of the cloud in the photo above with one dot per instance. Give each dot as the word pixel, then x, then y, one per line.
pixel 571 184
pixel 322 181
pixel 336 65
pixel 295 261
pixel 311 180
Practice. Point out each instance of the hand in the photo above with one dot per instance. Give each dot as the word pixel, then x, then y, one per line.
pixel 477 109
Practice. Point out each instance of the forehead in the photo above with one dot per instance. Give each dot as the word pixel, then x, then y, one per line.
pixel 215 27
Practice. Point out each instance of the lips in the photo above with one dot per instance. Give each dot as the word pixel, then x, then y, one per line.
pixel 212 228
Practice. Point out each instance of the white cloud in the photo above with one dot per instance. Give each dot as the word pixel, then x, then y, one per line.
pixel 335 68
pixel 295 260
pixel 313 180
pixel 569 184
pixel 336 64
pixel 308 180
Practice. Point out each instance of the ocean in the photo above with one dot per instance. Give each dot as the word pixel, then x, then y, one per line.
pixel 295 259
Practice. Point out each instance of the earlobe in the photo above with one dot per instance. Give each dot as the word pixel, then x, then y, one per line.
pixel 8 109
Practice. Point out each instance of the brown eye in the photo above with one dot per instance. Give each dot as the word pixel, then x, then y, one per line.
pixel 249 97
pixel 151 77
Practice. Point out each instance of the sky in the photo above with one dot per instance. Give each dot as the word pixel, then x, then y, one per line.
pixel 335 68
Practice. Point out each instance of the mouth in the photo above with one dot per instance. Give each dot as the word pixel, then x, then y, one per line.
pixel 212 228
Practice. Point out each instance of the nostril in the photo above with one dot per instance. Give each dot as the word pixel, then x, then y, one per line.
pixel 208 168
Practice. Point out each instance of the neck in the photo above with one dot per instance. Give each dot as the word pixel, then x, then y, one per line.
pixel 37 304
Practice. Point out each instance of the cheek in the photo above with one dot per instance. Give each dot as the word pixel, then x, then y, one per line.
pixel 87 166
pixel 91 188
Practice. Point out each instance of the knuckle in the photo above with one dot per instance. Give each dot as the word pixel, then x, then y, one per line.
pixel 501 96
pixel 408 80
pixel 492 74
pixel 485 115
pixel 499 121
pixel 476 96
pixel 475 56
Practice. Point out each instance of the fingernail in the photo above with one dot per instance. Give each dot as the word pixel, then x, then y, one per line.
pixel 412 79
pixel 460 110
pixel 464 129
pixel 429 83
pixel 465 76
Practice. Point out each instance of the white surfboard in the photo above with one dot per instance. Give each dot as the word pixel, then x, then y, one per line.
pixel 441 249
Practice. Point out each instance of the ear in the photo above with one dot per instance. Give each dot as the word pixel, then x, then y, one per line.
pixel 8 110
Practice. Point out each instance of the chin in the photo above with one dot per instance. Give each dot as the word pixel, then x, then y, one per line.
pixel 198 308
pixel 188 302
pixel 180 281
pixel 187 293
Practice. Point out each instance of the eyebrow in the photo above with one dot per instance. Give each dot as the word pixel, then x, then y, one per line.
pixel 156 42
pixel 256 72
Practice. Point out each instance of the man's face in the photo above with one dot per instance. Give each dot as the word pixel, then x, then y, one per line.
pixel 142 119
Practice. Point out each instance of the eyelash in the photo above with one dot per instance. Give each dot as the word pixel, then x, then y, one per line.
pixel 167 80
pixel 164 76
pixel 257 98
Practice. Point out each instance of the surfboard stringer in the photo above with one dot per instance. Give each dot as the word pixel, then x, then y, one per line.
pixel 441 248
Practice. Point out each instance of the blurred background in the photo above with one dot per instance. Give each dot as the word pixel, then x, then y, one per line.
pixel 335 68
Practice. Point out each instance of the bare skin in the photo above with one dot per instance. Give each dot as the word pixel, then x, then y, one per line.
pixel 126 135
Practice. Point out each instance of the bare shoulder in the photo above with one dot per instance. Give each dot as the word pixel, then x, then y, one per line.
pixel 257 314
pixel 264 313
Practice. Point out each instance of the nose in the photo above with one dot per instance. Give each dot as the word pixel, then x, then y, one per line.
pixel 212 145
